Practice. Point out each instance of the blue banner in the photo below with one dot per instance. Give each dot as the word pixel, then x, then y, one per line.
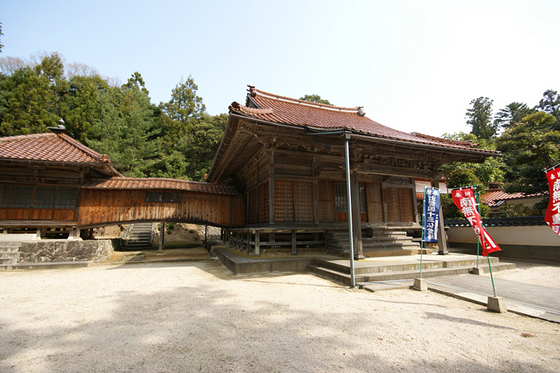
pixel 431 214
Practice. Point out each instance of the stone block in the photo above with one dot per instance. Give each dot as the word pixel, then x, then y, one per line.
pixel 477 271
pixel 420 284
pixel 497 304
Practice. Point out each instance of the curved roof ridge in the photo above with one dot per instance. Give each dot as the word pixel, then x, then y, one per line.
pixel 253 92
pixel 31 135
pixel 441 139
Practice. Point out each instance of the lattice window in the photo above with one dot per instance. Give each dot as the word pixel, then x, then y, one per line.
pixel 154 196
pixel 21 197
pixel 400 206
pixel 326 201
pixel 263 203
pixel 172 197
pixel 362 194
pixel 341 198
pixel 283 201
pixel 252 213
pixel 66 198
pixel 44 197
pixel 303 198
pixel 375 202
pixel 4 195
pixel 293 201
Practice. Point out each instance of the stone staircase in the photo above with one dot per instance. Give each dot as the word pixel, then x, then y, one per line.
pixel 377 243
pixel 383 270
pixel 138 237
pixel 9 252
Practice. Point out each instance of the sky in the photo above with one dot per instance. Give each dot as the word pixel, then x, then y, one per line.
pixel 413 65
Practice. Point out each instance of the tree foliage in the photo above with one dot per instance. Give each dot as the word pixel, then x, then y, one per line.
pixel 315 98
pixel 550 103
pixel 175 139
pixel 479 117
pixel 479 175
pixel 529 147
pixel 512 114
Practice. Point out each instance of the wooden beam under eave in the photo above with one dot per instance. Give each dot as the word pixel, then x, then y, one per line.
pixel 394 171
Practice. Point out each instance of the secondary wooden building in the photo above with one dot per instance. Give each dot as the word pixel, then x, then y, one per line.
pixel 288 157
pixel 53 186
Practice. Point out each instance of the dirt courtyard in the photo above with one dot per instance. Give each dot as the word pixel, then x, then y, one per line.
pixel 196 317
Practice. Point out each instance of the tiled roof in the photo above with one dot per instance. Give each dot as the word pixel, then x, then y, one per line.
pixel 49 147
pixel 284 110
pixel 158 183
pixel 496 197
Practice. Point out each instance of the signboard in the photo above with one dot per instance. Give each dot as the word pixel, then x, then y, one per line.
pixel 552 216
pixel 464 199
pixel 431 214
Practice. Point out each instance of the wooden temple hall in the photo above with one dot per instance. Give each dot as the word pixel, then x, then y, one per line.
pixel 279 180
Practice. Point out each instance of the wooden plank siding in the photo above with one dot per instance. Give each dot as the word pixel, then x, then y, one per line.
pixel 103 207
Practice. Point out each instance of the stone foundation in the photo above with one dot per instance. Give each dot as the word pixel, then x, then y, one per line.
pixel 54 251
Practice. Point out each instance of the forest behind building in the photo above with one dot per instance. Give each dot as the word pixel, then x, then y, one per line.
pixel 178 138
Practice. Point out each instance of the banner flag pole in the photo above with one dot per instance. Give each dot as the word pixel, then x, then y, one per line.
pixel 423 226
pixel 477 241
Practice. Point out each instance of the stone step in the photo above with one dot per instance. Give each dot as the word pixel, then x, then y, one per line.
pixel 362 267
pixel 345 278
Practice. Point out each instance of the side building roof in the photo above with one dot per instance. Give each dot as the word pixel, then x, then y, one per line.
pixel 52 148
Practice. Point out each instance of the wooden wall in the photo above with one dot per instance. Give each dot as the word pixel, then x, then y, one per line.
pixel 102 207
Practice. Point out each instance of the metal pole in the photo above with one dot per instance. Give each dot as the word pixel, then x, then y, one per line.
pixel 479 212
pixel 423 227
pixel 349 197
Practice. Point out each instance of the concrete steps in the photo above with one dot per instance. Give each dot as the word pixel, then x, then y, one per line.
pixel 380 243
pixel 339 271
pixel 139 237
pixel 9 252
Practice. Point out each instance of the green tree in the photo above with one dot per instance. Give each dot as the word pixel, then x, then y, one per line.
pixel 184 108
pixel 125 130
pixel 30 98
pixel 316 99
pixel 478 175
pixel 81 107
pixel 529 147
pixel 479 117
pixel 136 82
pixel 511 115
pixel 461 174
pixel 550 103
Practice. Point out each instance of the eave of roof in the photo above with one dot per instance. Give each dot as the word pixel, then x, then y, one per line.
pixel 313 116
pixel 160 184
pixel 274 110
pixel 52 148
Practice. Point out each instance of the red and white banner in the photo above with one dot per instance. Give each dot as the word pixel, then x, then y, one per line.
pixel 552 216
pixel 465 201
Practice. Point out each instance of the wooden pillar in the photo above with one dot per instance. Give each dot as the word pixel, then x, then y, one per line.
pixel 442 243
pixel 294 243
pixel 356 218
pixel 271 192
pixel 206 238
pixel 161 236
pixel 248 242
pixel 326 238
pixel 257 243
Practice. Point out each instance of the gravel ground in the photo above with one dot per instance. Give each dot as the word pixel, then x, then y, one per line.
pixel 196 317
